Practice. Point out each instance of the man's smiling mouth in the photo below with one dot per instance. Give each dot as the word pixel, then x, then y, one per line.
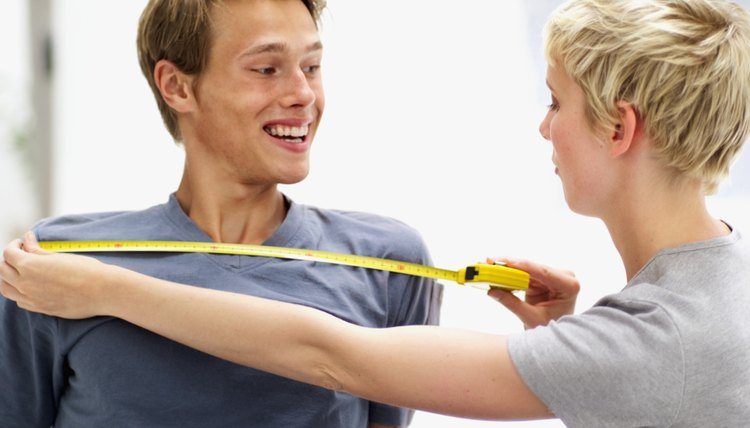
pixel 291 134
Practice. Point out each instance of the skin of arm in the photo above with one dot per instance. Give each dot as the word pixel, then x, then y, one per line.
pixel 456 372
pixel 397 366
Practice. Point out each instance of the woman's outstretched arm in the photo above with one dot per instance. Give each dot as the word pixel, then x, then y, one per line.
pixel 461 373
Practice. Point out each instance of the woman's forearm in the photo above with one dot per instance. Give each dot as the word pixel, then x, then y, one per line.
pixel 461 373
pixel 289 340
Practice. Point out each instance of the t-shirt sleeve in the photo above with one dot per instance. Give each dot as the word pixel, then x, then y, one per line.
pixel 618 364
pixel 27 368
pixel 420 306
pixel 413 301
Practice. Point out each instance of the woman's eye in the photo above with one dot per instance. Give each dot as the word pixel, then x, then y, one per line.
pixel 554 106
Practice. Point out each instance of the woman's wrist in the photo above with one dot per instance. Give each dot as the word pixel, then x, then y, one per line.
pixel 115 289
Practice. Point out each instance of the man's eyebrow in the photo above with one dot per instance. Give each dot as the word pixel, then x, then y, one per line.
pixel 316 46
pixel 277 47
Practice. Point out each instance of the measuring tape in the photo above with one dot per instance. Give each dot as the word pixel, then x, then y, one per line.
pixel 494 276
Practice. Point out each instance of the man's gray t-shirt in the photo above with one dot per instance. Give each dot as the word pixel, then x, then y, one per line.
pixel 105 372
pixel 671 349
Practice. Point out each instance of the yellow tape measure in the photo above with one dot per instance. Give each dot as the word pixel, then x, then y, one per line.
pixel 494 276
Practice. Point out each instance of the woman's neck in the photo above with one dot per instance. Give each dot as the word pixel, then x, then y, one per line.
pixel 660 216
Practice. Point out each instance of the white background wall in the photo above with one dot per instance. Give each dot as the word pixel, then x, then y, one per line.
pixel 432 114
pixel 16 208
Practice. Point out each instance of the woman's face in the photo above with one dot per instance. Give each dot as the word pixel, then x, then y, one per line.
pixel 578 154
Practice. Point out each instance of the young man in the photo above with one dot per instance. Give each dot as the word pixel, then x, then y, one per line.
pixel 650 105
pixel 238 85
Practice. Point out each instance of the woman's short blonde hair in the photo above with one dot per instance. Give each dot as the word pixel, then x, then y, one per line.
pixel 683 64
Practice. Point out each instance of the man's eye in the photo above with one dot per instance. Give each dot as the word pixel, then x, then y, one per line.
pixel 311 69
pixel 266 71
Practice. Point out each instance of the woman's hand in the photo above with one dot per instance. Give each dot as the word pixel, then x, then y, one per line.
pixel 552 293
pixel 62 285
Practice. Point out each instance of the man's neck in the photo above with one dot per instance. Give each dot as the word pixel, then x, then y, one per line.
pixel 233 213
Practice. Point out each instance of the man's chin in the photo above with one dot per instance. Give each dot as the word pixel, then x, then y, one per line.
pixel 294 178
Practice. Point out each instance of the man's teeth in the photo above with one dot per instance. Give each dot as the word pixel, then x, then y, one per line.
pixel 290 133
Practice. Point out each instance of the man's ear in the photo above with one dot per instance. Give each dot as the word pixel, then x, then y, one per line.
pixel 175 86
pixel 625 129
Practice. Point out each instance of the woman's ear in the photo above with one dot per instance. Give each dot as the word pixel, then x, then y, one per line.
pixel 625 129
pixel 175 86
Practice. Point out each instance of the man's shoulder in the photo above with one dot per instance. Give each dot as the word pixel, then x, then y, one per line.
pixel 383 235
pixel 361 220
pixel 98 225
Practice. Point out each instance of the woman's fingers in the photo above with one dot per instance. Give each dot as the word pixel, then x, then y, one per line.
pixel 31 245
pixel 8 273
pixel 551 293
pixel 9 292
pixel 557 279
pixel 526 313
pixel 13 253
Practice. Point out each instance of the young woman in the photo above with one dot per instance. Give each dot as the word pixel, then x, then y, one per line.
pixel 650 105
